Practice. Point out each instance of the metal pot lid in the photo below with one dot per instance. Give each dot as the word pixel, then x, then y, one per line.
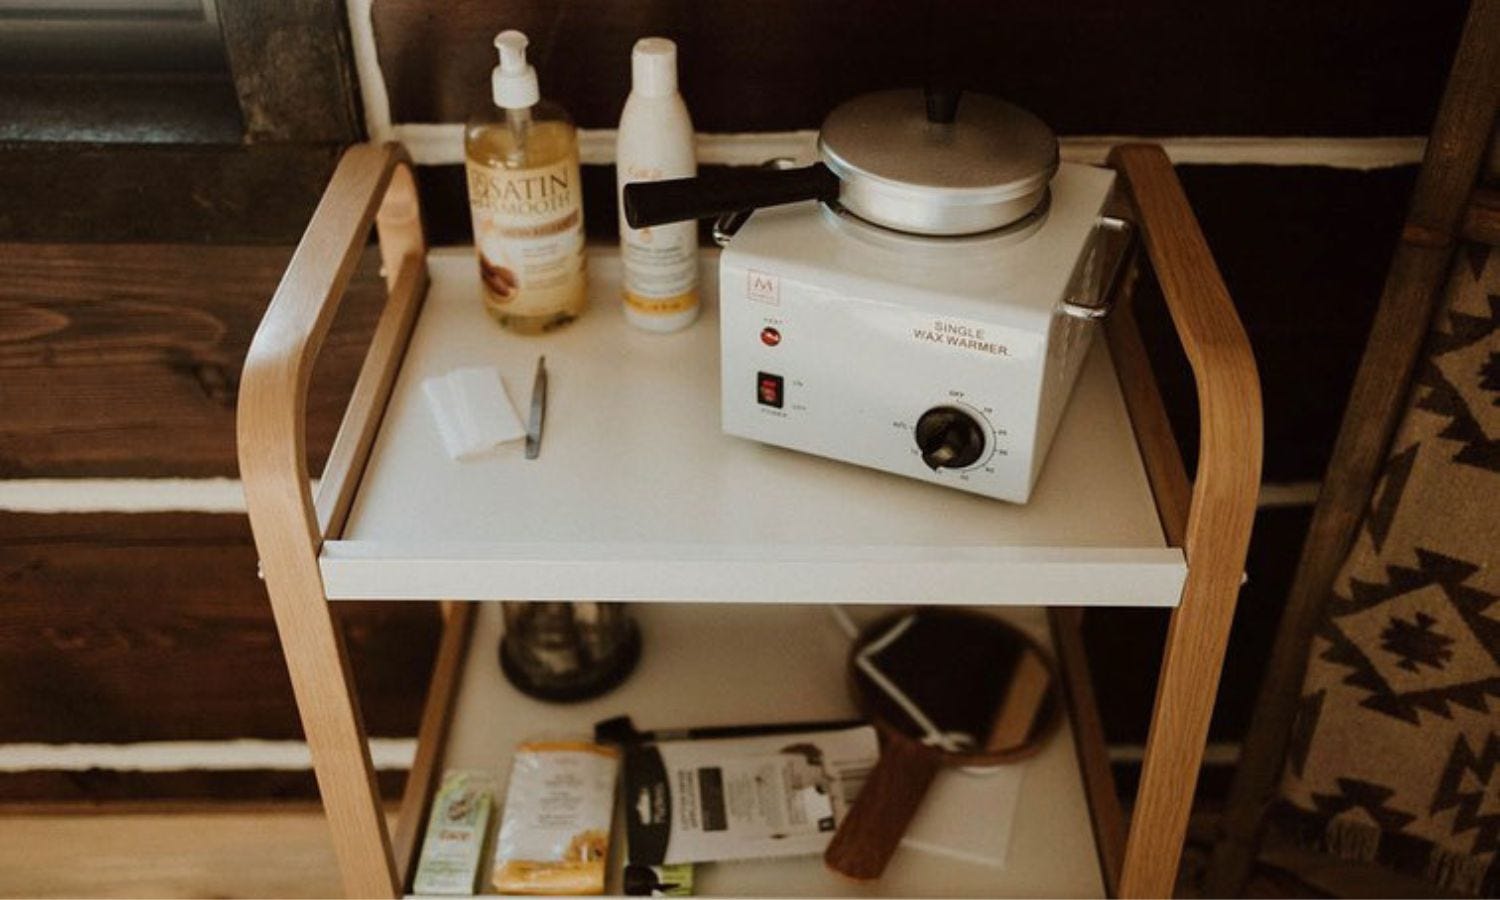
pixel 988 151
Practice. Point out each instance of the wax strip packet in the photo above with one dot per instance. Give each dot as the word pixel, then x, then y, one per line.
pixel 707 800
pixel 554 829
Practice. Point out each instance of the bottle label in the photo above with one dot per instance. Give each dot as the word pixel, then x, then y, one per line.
pixel 528 231
pixel 661 268
pixel 661 262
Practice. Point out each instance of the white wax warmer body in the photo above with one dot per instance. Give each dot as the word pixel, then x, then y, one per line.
pixel 843 339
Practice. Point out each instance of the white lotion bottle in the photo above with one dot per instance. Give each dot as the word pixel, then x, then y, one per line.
pixel 660 289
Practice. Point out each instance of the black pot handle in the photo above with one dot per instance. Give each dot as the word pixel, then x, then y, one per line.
pixel 679 199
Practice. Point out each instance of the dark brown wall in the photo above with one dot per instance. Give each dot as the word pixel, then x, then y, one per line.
pixel 122 360
pixel 1092 67
pixel 153 627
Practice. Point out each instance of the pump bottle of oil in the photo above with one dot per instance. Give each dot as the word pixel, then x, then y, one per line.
pixel 526 200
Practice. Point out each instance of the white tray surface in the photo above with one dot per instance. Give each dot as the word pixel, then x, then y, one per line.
pixel 638 495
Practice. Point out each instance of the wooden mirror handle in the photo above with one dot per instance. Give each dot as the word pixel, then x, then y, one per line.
pixel 873 826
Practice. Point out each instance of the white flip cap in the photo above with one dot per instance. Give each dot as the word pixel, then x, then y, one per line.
pixel 513 82
pixel 653 67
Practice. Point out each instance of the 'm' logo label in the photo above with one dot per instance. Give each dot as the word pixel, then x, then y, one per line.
pixel 763 288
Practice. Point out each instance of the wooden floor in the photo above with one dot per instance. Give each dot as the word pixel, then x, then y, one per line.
pixel 276 851
pixel 285 851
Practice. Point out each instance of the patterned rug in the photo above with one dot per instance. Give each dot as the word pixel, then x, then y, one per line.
pixel 1395 755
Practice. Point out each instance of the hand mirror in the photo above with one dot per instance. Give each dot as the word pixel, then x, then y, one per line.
pixel 944 687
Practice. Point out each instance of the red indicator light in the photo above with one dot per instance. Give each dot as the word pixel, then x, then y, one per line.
pixel 770 336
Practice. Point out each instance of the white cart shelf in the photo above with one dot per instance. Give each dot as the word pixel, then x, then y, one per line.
pixel 638 496
pixel 787 664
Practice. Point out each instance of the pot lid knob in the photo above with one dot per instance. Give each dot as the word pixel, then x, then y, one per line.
pixel 942 104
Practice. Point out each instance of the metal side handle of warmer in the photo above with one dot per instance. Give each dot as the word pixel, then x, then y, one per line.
pixel 728 223
pixel 1096 280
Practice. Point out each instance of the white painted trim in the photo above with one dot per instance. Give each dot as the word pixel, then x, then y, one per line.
pixel 1289 493
pixel 436 145
pixel 80 495
pixel 124 495
pixel 1222 753
pixel 1360 154
pixel 429 145
pixel 177 756
pixel 249 754
pixel 442 144
pixel 225 495
pixel 377 103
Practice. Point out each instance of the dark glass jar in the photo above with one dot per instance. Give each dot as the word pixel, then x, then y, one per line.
pixel 565 651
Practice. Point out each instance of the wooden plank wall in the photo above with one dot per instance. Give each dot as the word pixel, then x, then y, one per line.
pixel 122 360
pixel 119 360
pixel 1167 67
pixel 147 210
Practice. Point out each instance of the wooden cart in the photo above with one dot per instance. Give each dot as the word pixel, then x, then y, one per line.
pixel 645 500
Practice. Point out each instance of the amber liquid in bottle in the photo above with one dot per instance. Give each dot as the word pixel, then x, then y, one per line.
pixel 527 206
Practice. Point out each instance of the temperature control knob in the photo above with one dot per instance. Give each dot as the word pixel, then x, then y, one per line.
pixel 949 438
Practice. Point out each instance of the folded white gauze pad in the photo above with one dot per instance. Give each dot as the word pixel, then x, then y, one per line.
pixel 472 410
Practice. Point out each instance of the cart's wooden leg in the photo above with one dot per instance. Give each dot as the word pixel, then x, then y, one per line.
pixel 1196 639
pixel 370 180
pixel 1219 519
pixel 1088 739
pixel 319 667
pixel 432 734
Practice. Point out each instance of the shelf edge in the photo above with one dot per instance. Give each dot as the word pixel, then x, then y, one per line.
pixel 1015 576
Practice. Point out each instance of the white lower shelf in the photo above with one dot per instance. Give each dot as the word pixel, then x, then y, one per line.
pixel 737 664
pixel 638 495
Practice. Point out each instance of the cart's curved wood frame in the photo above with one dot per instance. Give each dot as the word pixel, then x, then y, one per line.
pixel 1210 517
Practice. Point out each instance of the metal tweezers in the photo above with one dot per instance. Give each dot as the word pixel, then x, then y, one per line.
pixel 538 410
